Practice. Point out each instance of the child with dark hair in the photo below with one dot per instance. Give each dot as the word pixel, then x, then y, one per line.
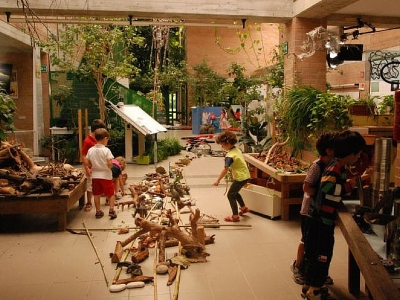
pixel 334 185
pixel 324 146
pixel 234 162
pixel 99 159
pixel 88 143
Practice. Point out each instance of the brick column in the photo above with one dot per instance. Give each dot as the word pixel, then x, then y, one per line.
pixel 312 70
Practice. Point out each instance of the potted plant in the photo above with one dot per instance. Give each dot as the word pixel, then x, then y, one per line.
pixel 363 107
pixel 386 105
pixel 45 143
pixel 305 112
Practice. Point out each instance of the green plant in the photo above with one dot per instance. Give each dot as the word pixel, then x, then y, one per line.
pixel 166 147
pixel 7 109
pixel 304 112
pixel 367 104
pixel 64 98
pixel 105 53
pixel 117 142
pixel 45 143
pixel 386 106
pixel 254 126
pixel 206 85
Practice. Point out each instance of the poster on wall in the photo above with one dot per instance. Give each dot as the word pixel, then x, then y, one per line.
pixel 14 85
pixel 5 77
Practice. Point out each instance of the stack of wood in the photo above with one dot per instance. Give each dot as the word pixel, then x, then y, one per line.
pixel 19 175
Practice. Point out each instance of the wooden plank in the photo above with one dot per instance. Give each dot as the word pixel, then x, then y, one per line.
pixel 283 177
pixel 45 203
pixel 377 279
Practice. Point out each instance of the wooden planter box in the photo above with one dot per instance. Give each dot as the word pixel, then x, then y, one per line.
pixel 290 184
pixel 362 110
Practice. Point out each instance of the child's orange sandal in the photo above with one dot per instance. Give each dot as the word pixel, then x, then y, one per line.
pixel 232 219
pixel 243 210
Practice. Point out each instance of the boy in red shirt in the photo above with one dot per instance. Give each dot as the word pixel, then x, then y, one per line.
pixel 88 143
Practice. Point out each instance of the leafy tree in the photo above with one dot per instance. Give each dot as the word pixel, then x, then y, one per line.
pixel 206 85
pixel 275 73
pixel 104 50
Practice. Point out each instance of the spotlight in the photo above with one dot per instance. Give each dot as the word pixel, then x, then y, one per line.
pixel 350 52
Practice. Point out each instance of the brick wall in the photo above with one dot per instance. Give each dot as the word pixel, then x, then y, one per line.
pixel 201 45
pixel 310 71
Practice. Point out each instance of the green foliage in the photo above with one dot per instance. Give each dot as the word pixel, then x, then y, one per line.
pixel 64 98
pixel 105 53
pixel 206 85
pixel 166 147
pixel 255 130
pixel 7 109
pixel 386 106
pixel 248 44
pixel 306 111
pixel 275 72
pixel 117 142
pixel 173 76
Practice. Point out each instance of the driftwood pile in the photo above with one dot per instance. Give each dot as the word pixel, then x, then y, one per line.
pixel 20 176
pixel 162 195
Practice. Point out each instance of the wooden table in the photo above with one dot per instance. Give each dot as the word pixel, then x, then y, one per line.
pixel 362 258
pixel 45 203
pixel 287 183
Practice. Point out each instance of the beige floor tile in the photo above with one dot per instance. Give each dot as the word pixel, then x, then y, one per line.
pixel 245 263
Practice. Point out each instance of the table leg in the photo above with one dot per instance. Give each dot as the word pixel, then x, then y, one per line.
pixel 354 276
pixel 285 191
pixel 62 221
pixel 82 201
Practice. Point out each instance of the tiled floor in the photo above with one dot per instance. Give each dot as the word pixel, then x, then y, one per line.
pixel 244 264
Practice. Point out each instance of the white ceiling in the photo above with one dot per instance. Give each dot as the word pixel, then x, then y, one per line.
pixel 381 8
pixel 380 13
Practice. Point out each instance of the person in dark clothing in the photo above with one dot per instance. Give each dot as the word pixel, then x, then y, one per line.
pixel 334 184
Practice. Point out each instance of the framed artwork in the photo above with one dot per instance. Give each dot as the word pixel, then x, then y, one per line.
pixel 14 85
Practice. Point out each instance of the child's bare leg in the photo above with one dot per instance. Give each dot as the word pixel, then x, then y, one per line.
pixel 97 202
pixel 116 185
pixel 112 214
pixel 111 200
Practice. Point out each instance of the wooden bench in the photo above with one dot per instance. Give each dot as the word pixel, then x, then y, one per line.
pixel 45 203
pixel 362 258
pixel 287 184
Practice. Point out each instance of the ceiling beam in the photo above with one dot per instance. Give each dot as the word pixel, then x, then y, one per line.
pixel 350 20
pixel 318 9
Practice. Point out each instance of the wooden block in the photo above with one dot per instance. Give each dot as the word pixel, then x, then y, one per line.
pixel 117 255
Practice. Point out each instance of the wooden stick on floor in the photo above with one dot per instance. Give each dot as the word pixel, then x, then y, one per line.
pixel 95 250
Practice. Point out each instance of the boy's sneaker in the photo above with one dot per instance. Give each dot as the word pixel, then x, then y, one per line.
pixel 324 292
pixel 321 294
pixel 118 195
pixel 329 280
pixel 112 214
pixel 298 277
pixel 293 267
pixel 99 214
